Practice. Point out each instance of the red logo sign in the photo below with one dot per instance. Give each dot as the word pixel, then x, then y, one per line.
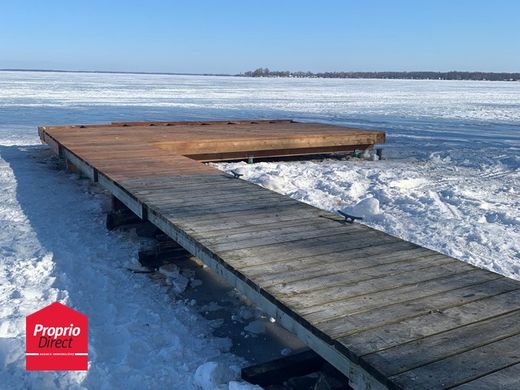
pixel 56 339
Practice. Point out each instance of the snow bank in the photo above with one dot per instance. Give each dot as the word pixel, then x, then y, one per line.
pixel 54 247
pixel 469 210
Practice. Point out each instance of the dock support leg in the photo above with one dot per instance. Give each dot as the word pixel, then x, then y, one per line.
pixel 166 251
pixel 70 167
pixel 121 215
pixel 279 370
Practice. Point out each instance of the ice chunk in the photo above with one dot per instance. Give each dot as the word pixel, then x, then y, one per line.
pixel 212 375
pixel 364 208
pixel 256 327
pixel 234 385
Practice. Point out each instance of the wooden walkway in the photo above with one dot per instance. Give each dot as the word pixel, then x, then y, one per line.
pixel 385 312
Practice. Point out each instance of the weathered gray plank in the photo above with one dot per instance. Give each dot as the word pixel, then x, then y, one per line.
pixel 240 219
pixel 306 248
pixel 371 269
pixel 263 228
pixel 344 276
pixel 360 303
pixel 463 367
pixel 167 197
pixel 426 350
pixel 339 292
pixel 261 233
pixel 202 213
pixel 151 183
pixel 164 196
pixel 208 203
pixel 187 189
pixel 340 327
pixel 404 331
pixel 375 254
pixel 505 379
pixel 306 232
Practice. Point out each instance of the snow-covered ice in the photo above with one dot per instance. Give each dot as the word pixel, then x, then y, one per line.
pixel 471 213
pixel 53 246
pixel 450 181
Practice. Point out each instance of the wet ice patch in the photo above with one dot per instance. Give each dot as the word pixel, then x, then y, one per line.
pixel 256 327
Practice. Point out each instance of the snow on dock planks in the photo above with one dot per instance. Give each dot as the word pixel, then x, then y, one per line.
pixel 385 312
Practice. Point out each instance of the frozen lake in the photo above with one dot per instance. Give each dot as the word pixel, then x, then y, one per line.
pixel 452 146
pixel 450 182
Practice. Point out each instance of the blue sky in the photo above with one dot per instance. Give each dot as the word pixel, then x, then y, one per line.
pixel 235 36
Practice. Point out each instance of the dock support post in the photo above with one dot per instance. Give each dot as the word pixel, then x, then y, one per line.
pixel 279 370
pixel 120 215
pixel 70 167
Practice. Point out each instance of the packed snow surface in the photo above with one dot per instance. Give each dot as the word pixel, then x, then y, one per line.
pixel 471 213
pixel 450 181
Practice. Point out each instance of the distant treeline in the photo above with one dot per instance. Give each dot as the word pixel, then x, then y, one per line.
pixel 453 75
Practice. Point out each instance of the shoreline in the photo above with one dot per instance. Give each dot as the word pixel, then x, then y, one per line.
pixel 515 78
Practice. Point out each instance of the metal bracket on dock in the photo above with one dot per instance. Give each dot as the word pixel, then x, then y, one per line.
pixel 237 175
pixel 349 218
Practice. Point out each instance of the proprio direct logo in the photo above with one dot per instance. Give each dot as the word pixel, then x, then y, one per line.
pixel 56 339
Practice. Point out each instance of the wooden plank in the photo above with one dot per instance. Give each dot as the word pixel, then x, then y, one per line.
pixel 338 292
pixel 311 247
pixel 197 211
pixel 464 367
pixel 269 153
pixel 310 232
pixel 361 256
pixel 343 326
pixel 504 379
pixel 343 275
pixel 168 201
pixel 187 184
pixel 281 145
pixel 344 262
pixel 323 312
pixel 162 187
pixel 263 228
pixel 238 219
pixel 430 349
pixel 261 231
pixel 410 329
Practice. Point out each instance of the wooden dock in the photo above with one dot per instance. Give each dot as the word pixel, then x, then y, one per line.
pixel 385 312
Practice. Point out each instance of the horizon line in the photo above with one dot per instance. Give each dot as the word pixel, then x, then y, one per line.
pixel 233 74
pixel 243 74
